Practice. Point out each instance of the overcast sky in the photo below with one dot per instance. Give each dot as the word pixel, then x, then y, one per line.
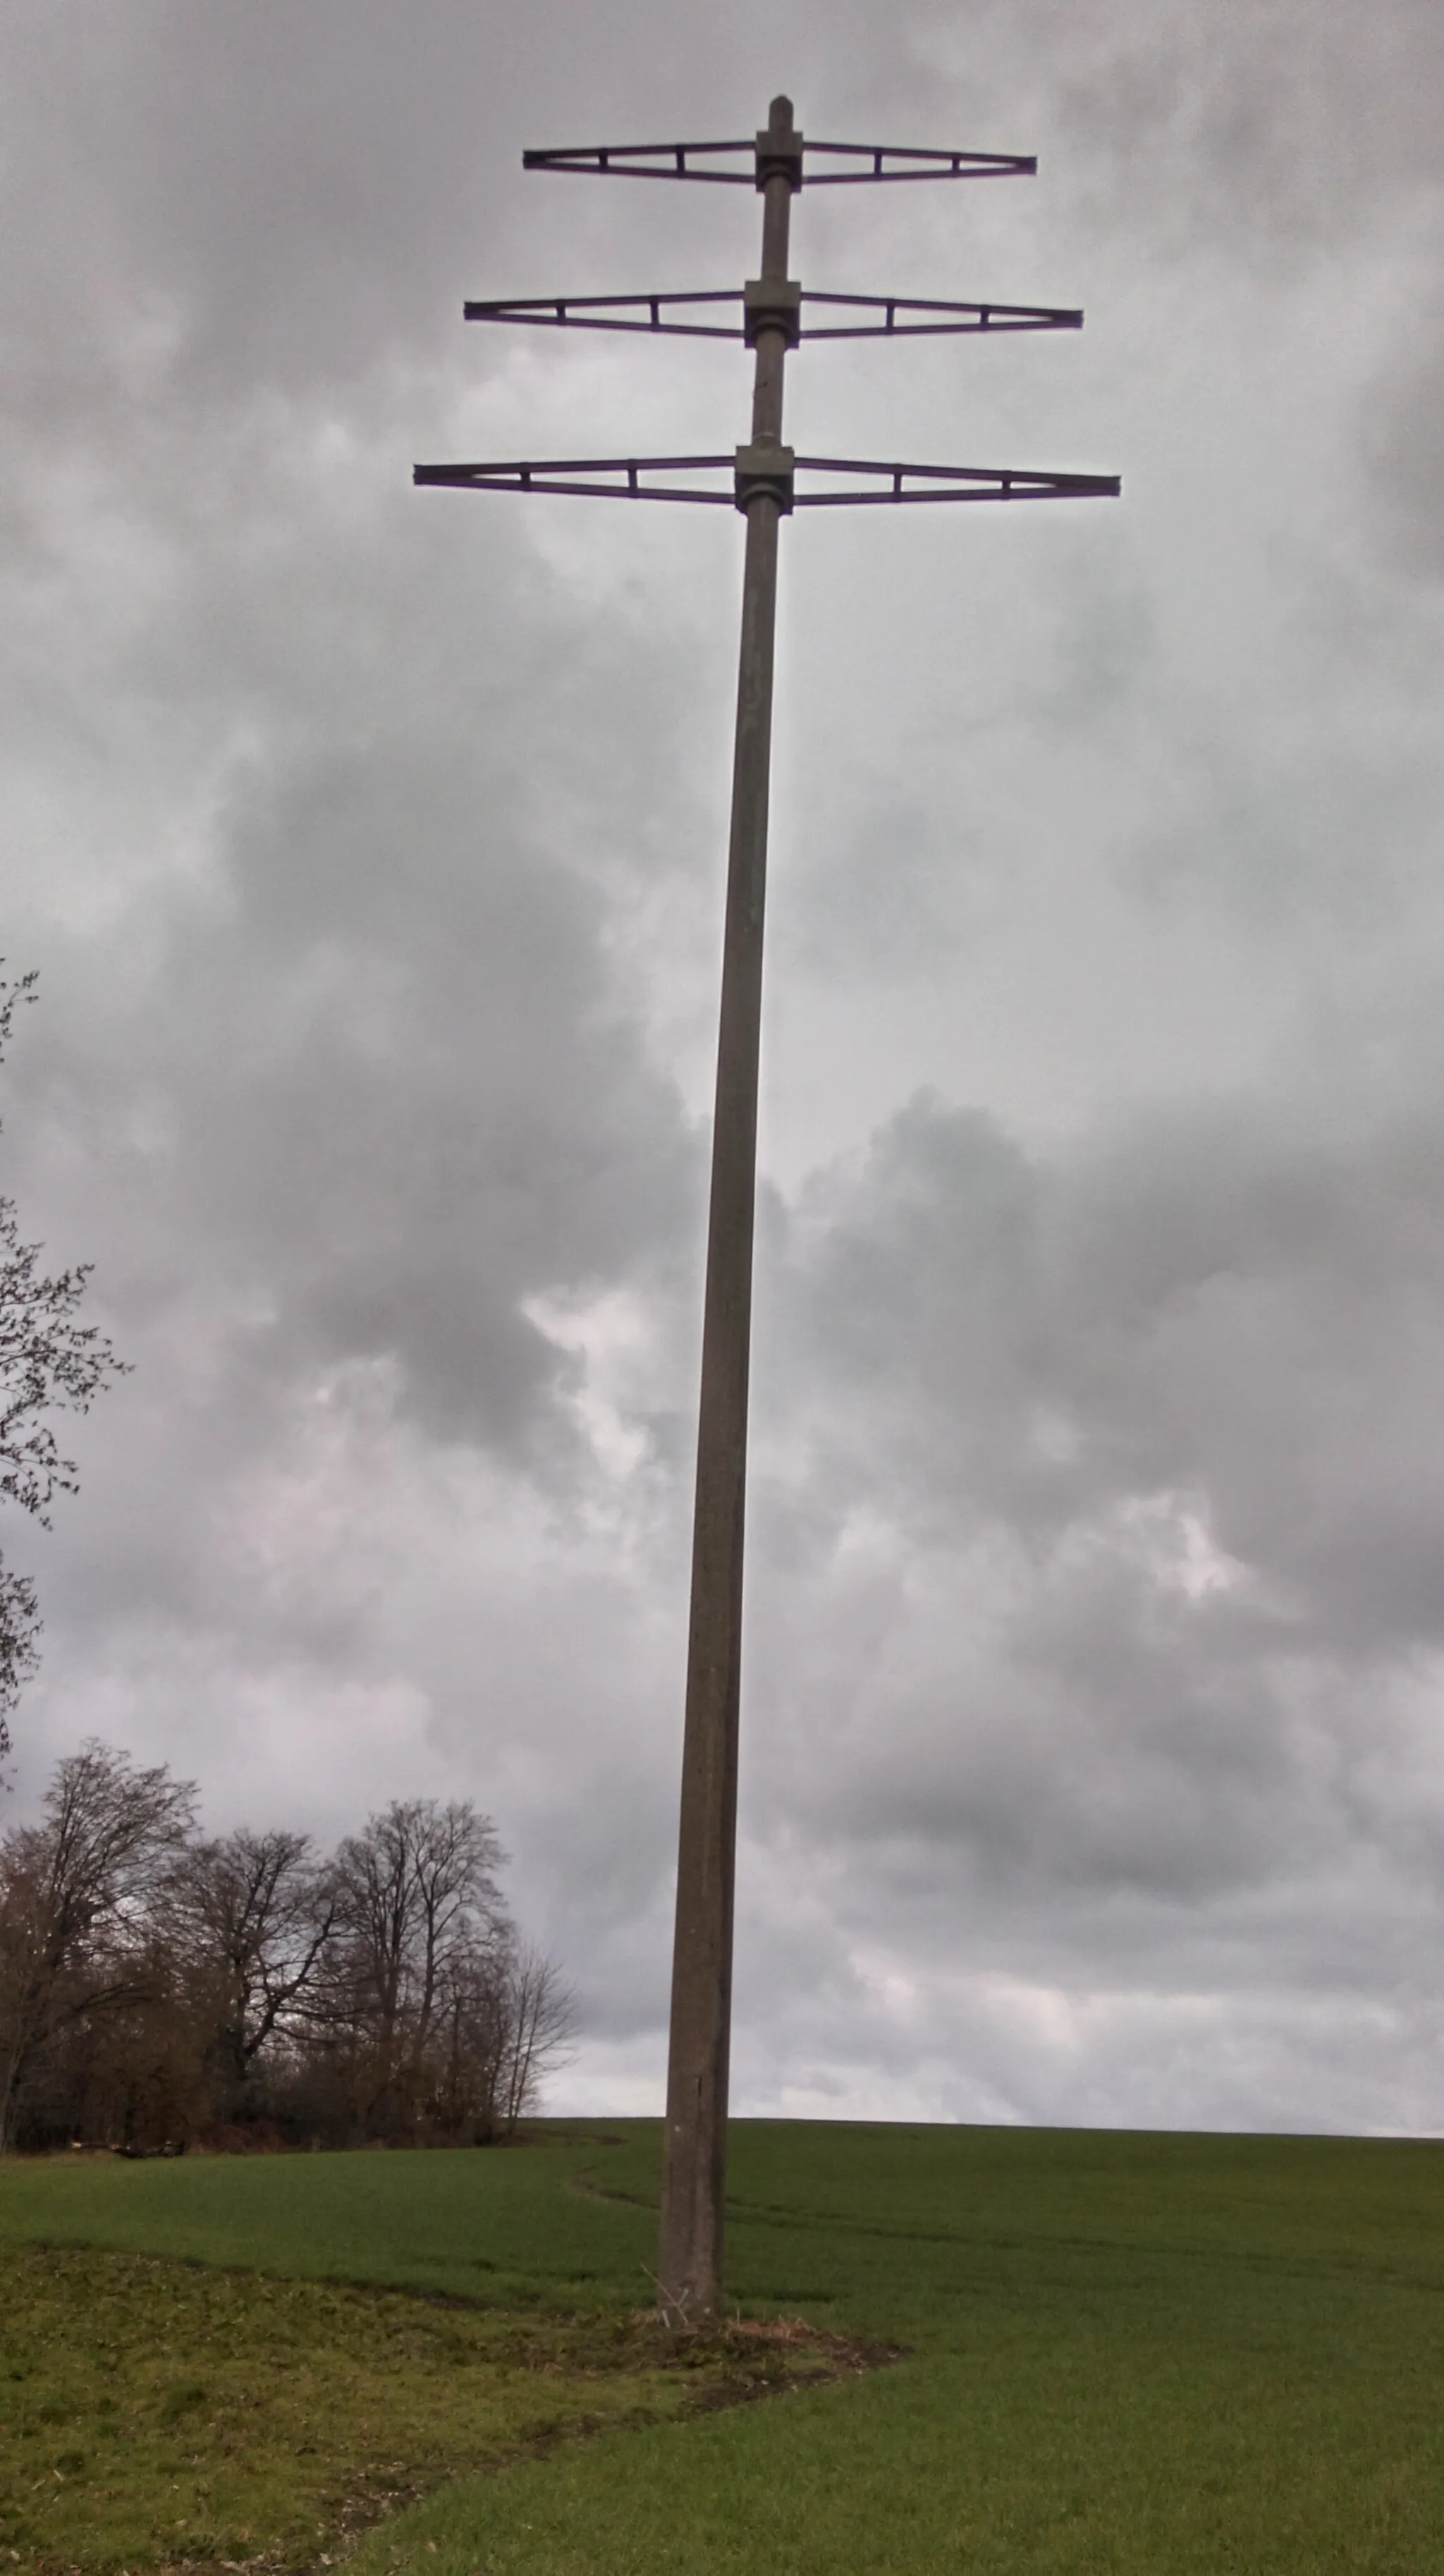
pixel 370 843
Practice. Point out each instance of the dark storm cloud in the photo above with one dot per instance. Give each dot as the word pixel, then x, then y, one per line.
pixel 393 1080
pixel 289 186
pixel 1133 1446
pixel 302 189
pixel 1403 445
pixel 1226 1300
pixel 1262 132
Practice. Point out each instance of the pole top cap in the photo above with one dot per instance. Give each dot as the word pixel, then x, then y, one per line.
pixel 779 147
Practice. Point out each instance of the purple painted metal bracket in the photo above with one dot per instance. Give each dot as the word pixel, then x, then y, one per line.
pixel 656 313
pixel 625 478
pixel 886 161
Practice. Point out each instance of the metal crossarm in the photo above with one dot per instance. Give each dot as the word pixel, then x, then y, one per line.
pixel 885 157
pixel 646 161
pixel 705 161
pixel 611 312
pixel 630 478
pixel 903 316
pixel 951 483
pixel 766 482
pixel 607 478
pixel 934 316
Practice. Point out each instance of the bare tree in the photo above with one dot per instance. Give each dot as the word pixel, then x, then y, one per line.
pixel 251 1917
pixel 46 1359
pixel 541 2021
pixel 472 2036
pixel 416 1892
pixel 76 1899
pixel 19 1653
pixel 155 1988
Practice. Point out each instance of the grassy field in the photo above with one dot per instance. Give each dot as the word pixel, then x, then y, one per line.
pixel 1129 2355
pixel 153 2412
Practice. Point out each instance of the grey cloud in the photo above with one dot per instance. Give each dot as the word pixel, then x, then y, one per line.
pixel 1230 1299
pixel 1403 448
pixel 1112 1522
pixel 376 1039
pixel 300 189
pixel 1273 130
pixel 368 842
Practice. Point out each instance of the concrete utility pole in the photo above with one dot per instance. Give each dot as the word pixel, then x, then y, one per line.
pixel 763 487
pixel 695 2169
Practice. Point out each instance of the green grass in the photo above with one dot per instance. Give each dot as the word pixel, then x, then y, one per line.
pixel 153 2412
pixel 1135 2355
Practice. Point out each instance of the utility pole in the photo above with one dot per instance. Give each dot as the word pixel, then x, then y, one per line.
pixel 694 2178
pixel 775 315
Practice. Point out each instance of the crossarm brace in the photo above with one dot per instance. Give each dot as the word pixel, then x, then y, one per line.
pixel 903 316
pixel 698 161
pixel 627 478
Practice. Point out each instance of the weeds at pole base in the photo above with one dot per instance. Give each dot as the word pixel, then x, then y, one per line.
pixel 162 2418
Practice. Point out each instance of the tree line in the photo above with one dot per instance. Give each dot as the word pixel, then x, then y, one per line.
pixel 162 1989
